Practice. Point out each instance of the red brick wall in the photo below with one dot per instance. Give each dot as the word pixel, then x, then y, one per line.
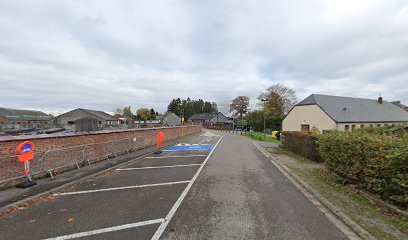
pixel 72 144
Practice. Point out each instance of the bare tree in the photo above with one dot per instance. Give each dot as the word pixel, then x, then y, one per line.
pixel 240 104
pixel 280 98
pixel 118 111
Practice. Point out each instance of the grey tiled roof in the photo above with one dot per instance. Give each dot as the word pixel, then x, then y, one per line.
pixel 100 114
pixel 23 115
pixel 203 116
pixel 348 109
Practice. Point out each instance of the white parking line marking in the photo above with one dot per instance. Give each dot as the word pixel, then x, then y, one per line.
pixel 169 166
pixel 197 155
pixel 173 210
pixel 121 188
pixel 206 139
pixel 109 229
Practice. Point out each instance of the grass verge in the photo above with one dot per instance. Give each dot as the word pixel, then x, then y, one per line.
pixel 371 217
pixel 260 136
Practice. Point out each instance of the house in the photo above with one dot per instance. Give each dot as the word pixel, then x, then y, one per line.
pixel 169 119
pixel 326 112
pixel 19 118
pixel 68 119
pixel 207 118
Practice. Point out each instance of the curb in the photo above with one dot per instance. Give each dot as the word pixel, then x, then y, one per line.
pixel 357 229
pixel 86 177
pixel 387 207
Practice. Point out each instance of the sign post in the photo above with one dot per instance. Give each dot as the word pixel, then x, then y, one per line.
pixel 26 150
pixel 160 139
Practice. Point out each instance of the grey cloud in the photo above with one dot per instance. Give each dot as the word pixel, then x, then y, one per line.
pixel 105 54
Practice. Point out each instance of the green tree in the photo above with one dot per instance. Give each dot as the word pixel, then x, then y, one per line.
pixel 152 114
pixel 127 112
pixel 188 107
pixel 208 108
pixel 144 113
pixel 175 106
pixel 256 120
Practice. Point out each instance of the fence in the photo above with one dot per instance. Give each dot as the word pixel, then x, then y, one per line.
pixel 53 160
pixel 60 152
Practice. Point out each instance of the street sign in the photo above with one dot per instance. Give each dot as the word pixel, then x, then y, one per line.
pixel 26 150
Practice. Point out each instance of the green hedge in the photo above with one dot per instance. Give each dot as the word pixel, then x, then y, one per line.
pixel 374 161
pixel 302 144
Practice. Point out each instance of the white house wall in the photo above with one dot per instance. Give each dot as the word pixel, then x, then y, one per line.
pixel 311 115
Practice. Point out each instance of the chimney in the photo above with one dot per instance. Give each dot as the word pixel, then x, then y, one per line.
pixel 380 99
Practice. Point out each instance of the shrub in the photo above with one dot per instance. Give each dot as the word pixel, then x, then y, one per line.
pixel 374 161
pixel 302 144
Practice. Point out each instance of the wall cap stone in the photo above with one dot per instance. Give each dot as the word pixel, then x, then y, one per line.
pixel 59 135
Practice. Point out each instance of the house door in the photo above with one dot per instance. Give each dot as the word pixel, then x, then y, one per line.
pixel 305 128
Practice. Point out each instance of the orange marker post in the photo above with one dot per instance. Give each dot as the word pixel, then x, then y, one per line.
pixel 25 150
pixel 160 139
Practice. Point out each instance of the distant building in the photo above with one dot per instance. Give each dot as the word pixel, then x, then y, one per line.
pixel 207 118
pixel 18 118
pixel 326 112
pixel 169 119
pixel 399 104
pixel 68 119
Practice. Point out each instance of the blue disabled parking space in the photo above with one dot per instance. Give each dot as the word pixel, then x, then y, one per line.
pixel 199 147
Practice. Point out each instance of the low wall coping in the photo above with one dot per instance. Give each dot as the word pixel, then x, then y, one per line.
pixel 75 134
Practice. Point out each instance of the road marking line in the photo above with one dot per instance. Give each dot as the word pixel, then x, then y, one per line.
pixel 206 139
pixel 169 166
pixel 197 155
pixel 121 188
pixel 109 229
pixel 173 210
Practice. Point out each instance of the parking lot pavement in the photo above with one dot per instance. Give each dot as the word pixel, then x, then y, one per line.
pixel 240 194
pixel 215 186
pixel 127 203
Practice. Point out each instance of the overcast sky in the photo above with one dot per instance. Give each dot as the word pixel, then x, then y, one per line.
pixel 60 55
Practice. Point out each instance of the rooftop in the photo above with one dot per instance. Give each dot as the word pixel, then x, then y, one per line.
pixel 203 116
pixel 23 115
pixel 100 114
pixel 349 109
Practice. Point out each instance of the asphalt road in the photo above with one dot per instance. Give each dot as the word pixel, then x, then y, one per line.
pixel 232 192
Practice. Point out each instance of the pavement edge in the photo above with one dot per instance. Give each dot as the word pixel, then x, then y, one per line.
pixel 303 186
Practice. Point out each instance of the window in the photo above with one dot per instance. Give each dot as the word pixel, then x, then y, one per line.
pixel 379 125
pixel 305 128
pixel 346 128
pixel 371 125
pixel 71 122
pixel 353 127
pixel 362 126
